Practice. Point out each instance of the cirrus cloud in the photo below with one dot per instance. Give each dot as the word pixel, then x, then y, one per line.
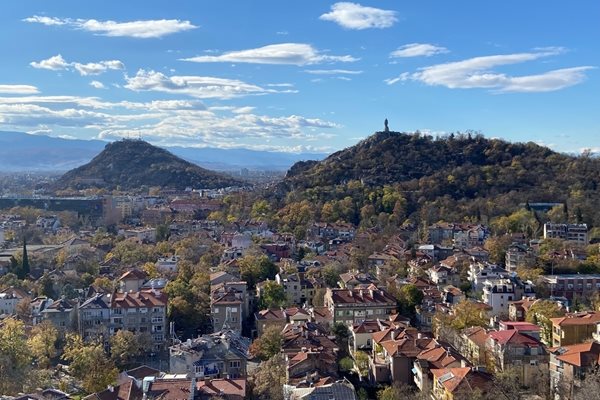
pixel 140 29
pixel 18 89
pixel 355 16
pixel 478 72
pixel 282 54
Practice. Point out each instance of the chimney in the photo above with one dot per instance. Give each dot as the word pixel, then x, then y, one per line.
pixel 394 335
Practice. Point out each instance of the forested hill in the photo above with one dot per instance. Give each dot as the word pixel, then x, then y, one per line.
pixel 449 177
pixel 133 164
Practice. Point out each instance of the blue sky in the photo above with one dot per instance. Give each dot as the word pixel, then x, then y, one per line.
pixel 301 75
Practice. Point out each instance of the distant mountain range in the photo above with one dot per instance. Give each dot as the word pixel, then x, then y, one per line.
pixel 135 164
pixel 25 152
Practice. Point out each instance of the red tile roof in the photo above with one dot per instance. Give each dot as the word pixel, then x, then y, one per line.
pixel 514 338
pixel 580 355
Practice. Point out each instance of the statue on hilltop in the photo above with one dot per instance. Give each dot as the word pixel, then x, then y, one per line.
pixel 385 123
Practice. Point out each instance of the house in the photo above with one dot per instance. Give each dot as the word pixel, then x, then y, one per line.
pixel 292 287
pixel 94 318
pixel 449 383
pixel 219 277
pixel 472 344
pixel 313 363
pixel 577 233
pixel 62 314
pixel 38 305
pixel 498 292
pixel 574 328
pixel 452 295
pixel 322 389
pixel 132 280
pixel 225 388
pixel 362 335
pixel 227 308
pixel 9 298
pixel 218 355
pixel 519 256
pixel 142 312
pixel 167 264
pixel 355 305
pixel 569 365
pixel 479 272
pixel 354 279
pixel 437 355
pixel 279 318
pixel 521 353
pixel 436 252
pixel 526 328
pixel 517 310
pixel 443 275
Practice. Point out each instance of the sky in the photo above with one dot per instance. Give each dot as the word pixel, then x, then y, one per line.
pixel 301 76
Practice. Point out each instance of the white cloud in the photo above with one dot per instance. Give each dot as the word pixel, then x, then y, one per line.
pixel 18 89
pixel 243 110
pixel 58 63
pixel 332 72
pixel 355 16
pixel 55 63
pixel 418 50
pixel 202 87
pixel 141 29
pixel 478 72
pixel 49 21
pixel 402 77
pixel 282 53
pixel 97 85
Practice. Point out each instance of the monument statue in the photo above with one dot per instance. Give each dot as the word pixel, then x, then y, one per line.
pixel 387 128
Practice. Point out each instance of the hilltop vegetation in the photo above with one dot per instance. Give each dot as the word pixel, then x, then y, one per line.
pixel 391 177
pixel 133 164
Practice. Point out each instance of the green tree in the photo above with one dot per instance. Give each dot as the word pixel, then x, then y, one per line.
pixel 269 379
pixel 125 346
pixel 409 296
pixel 42 343
pixel 361 360
pixel 346 364
pixel 89 363
pixel 273 295
pixel 24 267
pixel 540 313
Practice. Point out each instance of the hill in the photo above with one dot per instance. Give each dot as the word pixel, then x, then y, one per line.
pixel 20 151
pixel 132 164
pixel 449 178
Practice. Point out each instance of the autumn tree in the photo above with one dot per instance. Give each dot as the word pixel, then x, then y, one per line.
pixel 361 361
pixel 89 363
pixel 409 296
pixel 15 357
pixel 125 346
pixel 268 381
pixel 540 313
pixel 42 343
pixel 268 344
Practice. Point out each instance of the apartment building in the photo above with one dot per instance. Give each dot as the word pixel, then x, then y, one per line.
pixel 577 233
pixel 352 306
pixel 574 328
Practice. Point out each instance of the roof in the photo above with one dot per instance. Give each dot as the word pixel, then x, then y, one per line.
pixel 368 326
pixel 520 326
pixel 580 355
pixel 586 318
pixel 170 389
pixel 133 275
pixel 270 315
pixel 513 337
pixel 453 378
pixel 362 296
pixel 142 371
pixel 125 391
pixel 223 387
pixel 477 335
pixel 141 299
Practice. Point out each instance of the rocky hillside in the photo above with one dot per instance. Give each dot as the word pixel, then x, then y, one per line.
pixel 133 164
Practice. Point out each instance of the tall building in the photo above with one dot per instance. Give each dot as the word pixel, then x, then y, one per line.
pixel 571 232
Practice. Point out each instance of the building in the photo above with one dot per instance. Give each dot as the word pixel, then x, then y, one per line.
pixel 572 286
pixel 218 355
pixel 143 312
pixel 574 328
pixel 351 306
pixel 62 314
pixel 437 355
pixel 323 389
pixel 472 345
pixel 517 310
pixel 132 280
pixel 577 233
pixel 519 256
pixel 521 353
pixel 226 309
pixel 498 292
pixel 145 235
pixel 167 264
pixel 9 298
pixel 443 275
pixel 479 272
pixel 449 383
pixel 569 365
pixel 94 318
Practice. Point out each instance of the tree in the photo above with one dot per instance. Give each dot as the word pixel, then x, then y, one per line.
pixel 399 391
pixel 89 363
pixel 268 344
pixel 409 297
pixel 24 268
pixel 362 363
pixel 465 315
pixel 497 246
pixel 273 295
pixel 269 379
pixel 341 332
pixel 331 275
pixel 42 343
pixel 346 364
pixel 14 356
pixel 540 313
pixel 125 346
pixel 255 268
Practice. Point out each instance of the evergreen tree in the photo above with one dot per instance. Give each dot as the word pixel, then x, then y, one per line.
pixel 24 271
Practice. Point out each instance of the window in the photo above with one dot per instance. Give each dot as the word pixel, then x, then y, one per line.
pixel 235 364
pixel 216 311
